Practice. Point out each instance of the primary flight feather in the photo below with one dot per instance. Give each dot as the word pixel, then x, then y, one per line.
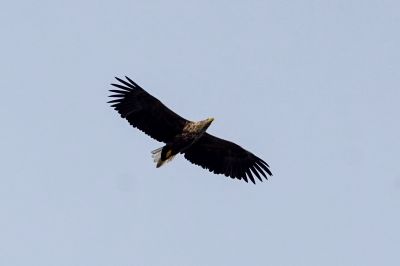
pixel 180 135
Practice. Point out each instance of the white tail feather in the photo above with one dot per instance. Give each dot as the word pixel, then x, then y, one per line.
pixel 156 154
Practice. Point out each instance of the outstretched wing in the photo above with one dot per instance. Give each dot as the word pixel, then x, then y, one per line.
pixel 224 157
pixel 145 112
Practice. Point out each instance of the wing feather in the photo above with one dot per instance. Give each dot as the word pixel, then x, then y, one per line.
pixel 146 112
pixel 224 157
pixel 253 169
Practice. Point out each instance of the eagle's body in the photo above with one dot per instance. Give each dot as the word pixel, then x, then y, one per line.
pixel 183 136
pixel 181 142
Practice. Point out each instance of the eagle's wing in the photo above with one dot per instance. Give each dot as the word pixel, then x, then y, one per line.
pixel 224 157
pixel 145 112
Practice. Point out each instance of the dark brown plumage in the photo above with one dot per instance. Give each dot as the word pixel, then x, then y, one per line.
pixel 219 156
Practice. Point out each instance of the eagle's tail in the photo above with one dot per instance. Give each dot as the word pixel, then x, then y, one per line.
pixel 160 153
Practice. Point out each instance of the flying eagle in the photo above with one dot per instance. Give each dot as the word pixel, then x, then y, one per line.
pixel 151 116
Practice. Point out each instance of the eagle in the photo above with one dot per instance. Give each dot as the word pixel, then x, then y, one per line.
pixel 181 136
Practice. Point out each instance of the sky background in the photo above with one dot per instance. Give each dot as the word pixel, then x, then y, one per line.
pixel 312 87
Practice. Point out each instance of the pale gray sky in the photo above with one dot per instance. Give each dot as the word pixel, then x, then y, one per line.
pixel 312 87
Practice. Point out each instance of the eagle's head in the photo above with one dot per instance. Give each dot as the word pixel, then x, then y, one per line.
pixel 204 124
